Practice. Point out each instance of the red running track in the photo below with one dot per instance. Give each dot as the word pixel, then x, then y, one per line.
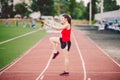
pixel 87 62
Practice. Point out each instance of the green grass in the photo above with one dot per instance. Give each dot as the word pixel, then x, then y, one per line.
pixel 11 31
pixel 11 50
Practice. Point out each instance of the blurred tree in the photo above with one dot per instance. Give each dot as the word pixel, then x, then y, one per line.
pixel 81 13
pixel 110 5
pixel 87 12
pixel 46 7
pixel 62 6
pixel 77 14
pixel 34 6
pixel 6 8
pixel 94 8
pixel 21 8
pixel 76 9
pixel 57 8
pixel 72 8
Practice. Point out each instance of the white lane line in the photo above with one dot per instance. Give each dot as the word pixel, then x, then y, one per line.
pixel 105 53
pixel 42 77
pixel 18 59
pixel 17 37
pixel 81 57
pixel 89 79
pixel 46 67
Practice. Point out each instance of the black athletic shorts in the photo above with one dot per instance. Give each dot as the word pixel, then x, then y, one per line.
pixel 64 44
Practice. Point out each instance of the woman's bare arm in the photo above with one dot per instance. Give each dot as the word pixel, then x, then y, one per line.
pixel 61 27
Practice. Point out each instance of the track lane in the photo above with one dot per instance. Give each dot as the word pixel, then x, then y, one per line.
pixel 98 65
pixel 57 66
pixel 30 65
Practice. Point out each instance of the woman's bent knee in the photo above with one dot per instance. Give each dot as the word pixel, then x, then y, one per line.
pixel 54 39
pixel 50 39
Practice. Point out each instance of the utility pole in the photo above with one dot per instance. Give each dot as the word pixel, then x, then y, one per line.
pixel 90 13
pixel 101 7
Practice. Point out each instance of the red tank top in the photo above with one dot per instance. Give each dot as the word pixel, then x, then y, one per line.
pixel 66 35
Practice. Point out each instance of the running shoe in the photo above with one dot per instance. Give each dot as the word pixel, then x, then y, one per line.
pixel 55 55
pixel 64 74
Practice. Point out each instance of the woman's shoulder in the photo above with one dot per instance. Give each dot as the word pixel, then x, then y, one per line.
pixel 66 26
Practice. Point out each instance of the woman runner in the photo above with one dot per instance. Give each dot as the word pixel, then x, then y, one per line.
pixel 64 41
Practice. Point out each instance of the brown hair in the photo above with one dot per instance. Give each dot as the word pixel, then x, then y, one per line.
pixel 68 17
